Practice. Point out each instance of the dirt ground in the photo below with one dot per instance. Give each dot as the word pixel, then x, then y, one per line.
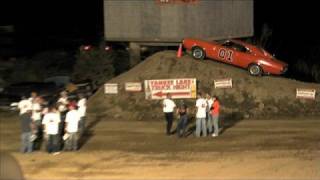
pixel 287 148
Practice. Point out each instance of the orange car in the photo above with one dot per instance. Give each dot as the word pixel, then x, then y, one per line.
pixel 256 60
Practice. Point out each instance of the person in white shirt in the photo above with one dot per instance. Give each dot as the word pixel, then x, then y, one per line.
pixel 201 106
pixel 72 124
pixel 209 101
pixel 24 105
pixel 51 122
pixel 168 109
pixel 36 118
pixel 63 103
pixel 82 107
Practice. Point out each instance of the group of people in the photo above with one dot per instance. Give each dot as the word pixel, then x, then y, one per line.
pixel 59 124
pixel 207 115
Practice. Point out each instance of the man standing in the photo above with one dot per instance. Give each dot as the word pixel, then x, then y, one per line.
pixel 25 107
pixel 51 122
pixel 201 106
pixel 26 127
pixel 36 117
pixel 183 122
pixel 208 113
pixel 82 106
pixel 215 116
pixel 168 108
pixel 72 123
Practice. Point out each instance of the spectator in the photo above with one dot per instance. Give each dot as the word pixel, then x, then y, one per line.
pixel 215 115
pixel 33 96
pixel 36 118
pixel 62 104
pixel 51 122
pixel 182 111
pixel 168 108
pixel 26 129
pixel 201 106
pixel 72 124
pixel 208 113
pixel 82 107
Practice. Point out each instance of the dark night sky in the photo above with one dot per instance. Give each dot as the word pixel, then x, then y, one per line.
pixel 59 22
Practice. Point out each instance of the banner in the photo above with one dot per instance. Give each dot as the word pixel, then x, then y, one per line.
pixel 223 83
pixel 306 93
pixel 111 88
pixel 177 88
pixel 133 86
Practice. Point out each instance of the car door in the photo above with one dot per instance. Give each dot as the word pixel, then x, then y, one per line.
pixel 234 53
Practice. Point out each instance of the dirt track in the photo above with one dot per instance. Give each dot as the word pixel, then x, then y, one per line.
pixel 255 149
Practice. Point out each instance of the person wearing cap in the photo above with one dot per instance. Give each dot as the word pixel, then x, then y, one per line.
pixel 168 106
pixel 182 111
pixel 72 124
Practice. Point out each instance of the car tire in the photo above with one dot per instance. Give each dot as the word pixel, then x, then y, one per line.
pixel 198 53
pixel 255 70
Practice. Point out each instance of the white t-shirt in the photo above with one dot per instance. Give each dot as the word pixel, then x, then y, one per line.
pixel 201 105
pixel 24 106
pixel 51 121
pixel 82 107
pixel 72 120
pixel 63 104
pixel 168 105
pixel 209 103
pixel 36 111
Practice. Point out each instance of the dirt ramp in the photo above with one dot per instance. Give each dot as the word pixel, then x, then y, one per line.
pixel 250 97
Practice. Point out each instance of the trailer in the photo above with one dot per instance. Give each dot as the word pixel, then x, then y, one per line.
pixel 167 22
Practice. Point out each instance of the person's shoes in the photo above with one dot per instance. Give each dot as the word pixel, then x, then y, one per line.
pixel 56 153
pixel 214 135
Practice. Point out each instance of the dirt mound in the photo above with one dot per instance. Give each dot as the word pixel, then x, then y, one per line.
pixel 250 97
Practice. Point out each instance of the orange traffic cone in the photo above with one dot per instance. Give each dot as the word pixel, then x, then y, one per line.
pixel 179 53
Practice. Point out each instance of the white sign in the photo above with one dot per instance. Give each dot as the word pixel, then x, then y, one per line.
pixel 133 86
pixel 177 88
pixel 306 93
pixel 111 88
pixel 223 83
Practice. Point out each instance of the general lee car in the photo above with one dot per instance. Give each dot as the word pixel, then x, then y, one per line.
pixel 256 60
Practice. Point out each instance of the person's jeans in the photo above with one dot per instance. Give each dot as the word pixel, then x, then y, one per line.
pixel 53 143
pixel 215 119
pixel 26 143
pixel 201 126
pixel 182 125
pixel 209 122
pixel 37 143
pixel 72 142
pixel 169 119
pixel 82 124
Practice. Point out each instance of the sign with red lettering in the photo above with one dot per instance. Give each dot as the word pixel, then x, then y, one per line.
pixel 133 86
pixel 177 88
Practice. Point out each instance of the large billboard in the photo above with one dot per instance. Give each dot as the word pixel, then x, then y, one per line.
pixel 177 88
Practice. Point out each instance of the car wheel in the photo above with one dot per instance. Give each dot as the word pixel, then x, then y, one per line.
pixel 255 70
pixel 198 53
